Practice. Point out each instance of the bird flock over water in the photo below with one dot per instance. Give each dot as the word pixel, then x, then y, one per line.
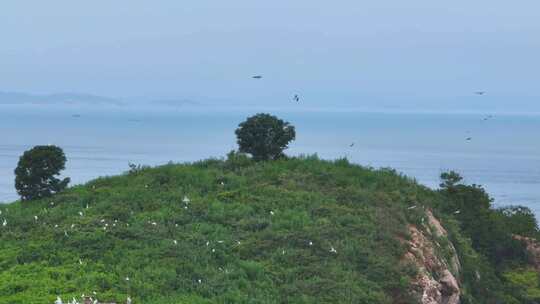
pixel 296 98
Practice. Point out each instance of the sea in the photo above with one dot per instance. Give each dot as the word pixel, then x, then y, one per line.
pixel 502 154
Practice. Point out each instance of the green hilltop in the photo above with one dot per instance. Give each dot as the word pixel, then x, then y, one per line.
pixel 296 230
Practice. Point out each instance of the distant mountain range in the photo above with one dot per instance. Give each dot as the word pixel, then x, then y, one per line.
pixel 61 98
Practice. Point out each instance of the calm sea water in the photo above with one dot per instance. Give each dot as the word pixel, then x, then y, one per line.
pixel 503 155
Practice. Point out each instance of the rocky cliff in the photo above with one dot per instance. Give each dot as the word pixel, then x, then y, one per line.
pixel 437 279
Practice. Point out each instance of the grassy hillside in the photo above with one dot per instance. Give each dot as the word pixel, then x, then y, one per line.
pixel 223 231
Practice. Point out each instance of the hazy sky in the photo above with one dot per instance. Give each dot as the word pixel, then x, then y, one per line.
pixel 332 52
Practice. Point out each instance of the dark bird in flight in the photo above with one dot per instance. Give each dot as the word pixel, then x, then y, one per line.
pixel 257 77
pixel 469 138
pixel 480 93
pixel 296 98
pixel 351 145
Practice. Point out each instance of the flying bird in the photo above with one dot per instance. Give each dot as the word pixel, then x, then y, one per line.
pixel 468 138
pixel 257 77
pixel 351 145
pixel 480 93
pixel 296 98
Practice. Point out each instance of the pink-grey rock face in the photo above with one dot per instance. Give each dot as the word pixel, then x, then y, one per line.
pixel 533 250
pixel 436 281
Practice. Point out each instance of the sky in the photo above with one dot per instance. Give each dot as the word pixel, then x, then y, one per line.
pixel 333 53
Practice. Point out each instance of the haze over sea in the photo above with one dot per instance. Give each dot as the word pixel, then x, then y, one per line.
pixel 503 155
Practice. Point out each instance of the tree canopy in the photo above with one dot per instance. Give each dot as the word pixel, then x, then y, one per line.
pixel 36 175
pixel 264 136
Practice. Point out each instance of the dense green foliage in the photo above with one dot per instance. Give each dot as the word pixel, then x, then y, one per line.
pixel 37 171
pixel 264 136
pixel 491 234
pixel 296 230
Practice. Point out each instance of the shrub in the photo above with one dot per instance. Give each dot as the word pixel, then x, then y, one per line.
pixel 264 136
pixel 35 175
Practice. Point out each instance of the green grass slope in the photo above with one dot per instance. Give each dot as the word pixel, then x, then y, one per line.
pixel 300 230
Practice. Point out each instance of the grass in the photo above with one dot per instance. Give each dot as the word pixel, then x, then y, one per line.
pixel 250 233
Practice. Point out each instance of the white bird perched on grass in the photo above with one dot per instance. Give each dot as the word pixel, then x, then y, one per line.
pixel 65 233
pixel 35 217
pixel 207 243
pixel 87 206
pixel 310 243
pixel 412 207
pixel 128 301
pixel 80 213
pixel 4 223
pixel 72 226
pixel 80 261
pixel 154 223
pixel 220 242
pixel 58 301
pixel 102 220
pixel 199 280
pixel 127 278
pixel 186 200
pixel 333 250
pixel 271 212
pixel 457 212
pixel 56 226
pixel 175 242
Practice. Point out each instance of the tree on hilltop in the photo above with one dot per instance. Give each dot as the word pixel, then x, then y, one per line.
pixel 37 171
pixel 264 136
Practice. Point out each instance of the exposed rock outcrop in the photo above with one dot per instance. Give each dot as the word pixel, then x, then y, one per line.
pixel 533 250
pixel 436 281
